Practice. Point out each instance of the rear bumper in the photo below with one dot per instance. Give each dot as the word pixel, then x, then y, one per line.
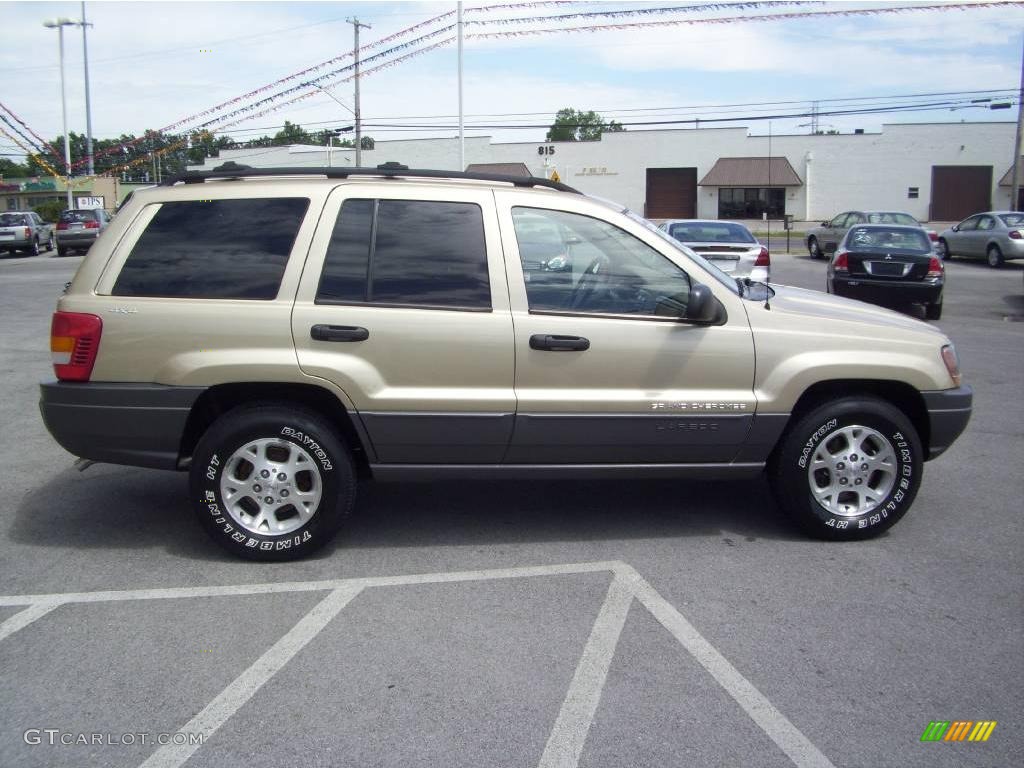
pixel 15 242
pixel 136 424
pixel 76 238
pixel 949 411
pixel 888 291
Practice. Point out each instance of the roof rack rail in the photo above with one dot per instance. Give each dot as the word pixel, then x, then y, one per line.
pixel 392 170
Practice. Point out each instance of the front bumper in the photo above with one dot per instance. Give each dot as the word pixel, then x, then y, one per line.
pixel 136 424
pixel 888 291
pixel 949 410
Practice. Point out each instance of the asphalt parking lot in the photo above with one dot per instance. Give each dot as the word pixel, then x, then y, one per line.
pixel 546 624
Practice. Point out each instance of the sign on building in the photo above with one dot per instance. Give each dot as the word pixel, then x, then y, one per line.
pixel 88 203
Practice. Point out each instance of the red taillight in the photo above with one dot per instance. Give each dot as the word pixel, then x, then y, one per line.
pixel 74 342
pixel 840 263
pixel 28 233
pixel 763 259
pixel 62 225
pixel 934 267
pixel 1016 235
pixel 933 236
pixel 92 224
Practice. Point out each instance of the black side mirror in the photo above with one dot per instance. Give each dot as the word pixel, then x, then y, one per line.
pixel 826 223
pixel 702 306
pixel 956 228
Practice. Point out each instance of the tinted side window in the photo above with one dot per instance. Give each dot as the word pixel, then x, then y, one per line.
pixel 218 249
pixel 408 252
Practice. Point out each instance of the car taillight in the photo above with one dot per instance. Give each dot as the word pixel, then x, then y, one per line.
pixel 28 233
pixel 933 236
pixel 74 342
pixel 62 225
pixel 763 259
pixel 92 225
pixel 934 267
pixel 1016 235
pixel 840 263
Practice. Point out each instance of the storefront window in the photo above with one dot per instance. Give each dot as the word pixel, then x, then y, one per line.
pixel 751 202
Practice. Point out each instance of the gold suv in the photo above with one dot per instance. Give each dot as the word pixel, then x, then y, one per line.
pixel 279 333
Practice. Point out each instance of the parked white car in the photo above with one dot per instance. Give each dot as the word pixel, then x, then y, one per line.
pixel 728 245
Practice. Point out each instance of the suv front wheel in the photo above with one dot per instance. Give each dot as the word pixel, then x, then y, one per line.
pixel 271 481
pixel 849 469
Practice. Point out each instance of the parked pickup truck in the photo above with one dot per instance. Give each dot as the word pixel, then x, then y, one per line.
pixel 25 231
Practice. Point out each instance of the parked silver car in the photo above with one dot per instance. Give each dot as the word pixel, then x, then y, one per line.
pixel 728 245
pixel 25 231
pixel 994 236
pixel 79 229
pixel 823 240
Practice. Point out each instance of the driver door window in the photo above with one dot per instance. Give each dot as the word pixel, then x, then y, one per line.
pixel 838 221
pixel 582 265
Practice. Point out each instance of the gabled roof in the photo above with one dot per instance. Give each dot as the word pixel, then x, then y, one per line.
pixel 508 169
pixel 751 172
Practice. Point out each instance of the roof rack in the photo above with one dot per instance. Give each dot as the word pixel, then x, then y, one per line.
pixel 232 170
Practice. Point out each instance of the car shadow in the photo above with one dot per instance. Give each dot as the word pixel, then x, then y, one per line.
pixel 114 508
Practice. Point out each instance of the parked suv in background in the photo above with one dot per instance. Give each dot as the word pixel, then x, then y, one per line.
pixel 25 231
pixel 278 334
pixel 78 230
pixel 824 240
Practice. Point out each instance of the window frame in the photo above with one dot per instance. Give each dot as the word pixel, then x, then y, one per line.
pixel 377 200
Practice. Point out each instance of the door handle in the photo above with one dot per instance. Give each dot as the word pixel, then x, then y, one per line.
pixel 553 343
pixel 338 333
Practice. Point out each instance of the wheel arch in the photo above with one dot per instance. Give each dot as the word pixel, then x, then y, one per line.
pixel 899 394
pixel 222 398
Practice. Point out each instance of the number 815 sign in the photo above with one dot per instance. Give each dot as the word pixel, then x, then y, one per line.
pixel 546 149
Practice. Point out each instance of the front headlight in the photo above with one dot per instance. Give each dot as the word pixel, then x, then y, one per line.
pixel 952 363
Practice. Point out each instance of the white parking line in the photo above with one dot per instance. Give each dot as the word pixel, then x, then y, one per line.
pixel 565 744
pixel 569 733
pixel 231 699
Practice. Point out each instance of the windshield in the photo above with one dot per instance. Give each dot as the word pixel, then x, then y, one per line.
pixel 714 271
pixel 710 232
pixel 888 238
pixel 892 217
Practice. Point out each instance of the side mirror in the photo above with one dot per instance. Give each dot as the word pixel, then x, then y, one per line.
pixel 826 223
pixel 702 306
pixel 956 228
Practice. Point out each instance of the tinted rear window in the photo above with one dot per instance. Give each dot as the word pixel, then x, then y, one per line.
pixel 80 216
pixel 408 252
pixel 711 232
pixel 217 249
pixel 891 238
pixel 12 219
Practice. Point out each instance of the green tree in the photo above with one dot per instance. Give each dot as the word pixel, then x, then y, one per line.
pixel 12 170
pixel 50 210
pixel 576 125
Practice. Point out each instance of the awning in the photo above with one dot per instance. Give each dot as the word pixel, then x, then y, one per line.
pixel 1007 180
pixel 751 172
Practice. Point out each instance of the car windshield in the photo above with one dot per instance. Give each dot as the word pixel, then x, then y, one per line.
pixel 892 217
pixel 13 219
pixel 1012 219
pixel 73 216
pixel 890 238
pixel 710 232
pixel 714 271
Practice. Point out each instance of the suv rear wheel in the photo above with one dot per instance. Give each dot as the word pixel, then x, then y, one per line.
pixel 849 469
pixel 272 481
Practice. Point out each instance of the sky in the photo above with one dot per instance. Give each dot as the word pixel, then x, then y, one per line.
pixel 153 64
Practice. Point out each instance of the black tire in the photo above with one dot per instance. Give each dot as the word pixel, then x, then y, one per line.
pixel 290 431
pixel 49 243
pixel 944 250
pixel 994 256
pixel 790 469
pixel 933 311
pixel 33 250
pixel 813 249
pixel 62 251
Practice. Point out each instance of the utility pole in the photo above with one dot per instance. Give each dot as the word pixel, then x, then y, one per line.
pixel 1015 184
pixel 462 136
pixel 88 109
pixel 59 25
pixel 356 24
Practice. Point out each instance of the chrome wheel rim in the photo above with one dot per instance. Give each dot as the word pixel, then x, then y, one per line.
pixel 814 249
pixel 271 487
pixel 852 471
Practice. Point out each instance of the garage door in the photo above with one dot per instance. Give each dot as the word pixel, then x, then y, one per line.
pixel 671 193
pixel 960 190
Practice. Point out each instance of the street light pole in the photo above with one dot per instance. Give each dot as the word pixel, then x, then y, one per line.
pixel 59 24
pixel 462 136
pixel 1015 185
pixel 88 108
pixel 355 52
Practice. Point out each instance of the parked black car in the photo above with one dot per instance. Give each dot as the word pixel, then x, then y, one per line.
pixel 889 265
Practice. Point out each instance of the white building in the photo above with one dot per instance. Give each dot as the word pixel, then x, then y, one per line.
pixel 934 171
